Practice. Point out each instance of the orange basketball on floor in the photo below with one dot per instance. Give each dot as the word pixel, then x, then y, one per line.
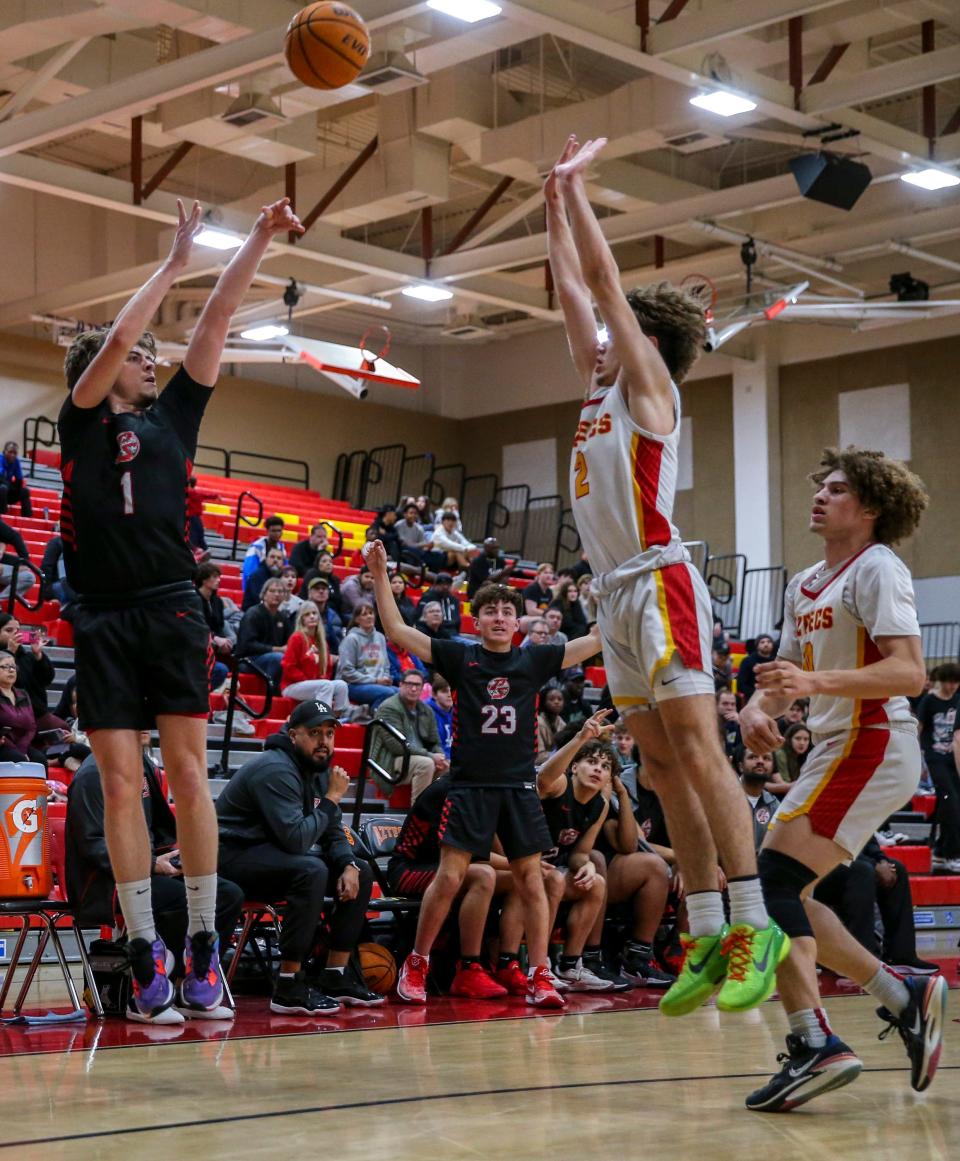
pixel 378 966
pixel 327 45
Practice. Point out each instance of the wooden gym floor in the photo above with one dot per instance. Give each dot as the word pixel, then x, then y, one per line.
pixel 610 1078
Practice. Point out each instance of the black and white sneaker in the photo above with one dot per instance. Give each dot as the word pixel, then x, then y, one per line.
pixel 295 997
pixel 920 1025
pixel 644 973
pixel 807 1072
pixel 599 968
pixel 347 988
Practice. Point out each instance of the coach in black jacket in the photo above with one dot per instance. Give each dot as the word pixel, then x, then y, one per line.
pixel 282 838
pixel 90 883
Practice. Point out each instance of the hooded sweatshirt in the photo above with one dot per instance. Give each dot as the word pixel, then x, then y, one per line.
pixel 363 657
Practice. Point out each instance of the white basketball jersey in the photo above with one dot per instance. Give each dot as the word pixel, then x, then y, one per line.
pixel 832 620
pixel 622 481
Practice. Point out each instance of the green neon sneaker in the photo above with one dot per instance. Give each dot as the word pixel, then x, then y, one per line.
pixel 752 958
pixel 701 973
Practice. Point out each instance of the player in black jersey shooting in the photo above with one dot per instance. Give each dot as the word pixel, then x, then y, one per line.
pixel 142 645
pixel 493 781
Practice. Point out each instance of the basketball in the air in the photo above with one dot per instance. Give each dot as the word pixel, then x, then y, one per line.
pixel 327 45
pixel 378 966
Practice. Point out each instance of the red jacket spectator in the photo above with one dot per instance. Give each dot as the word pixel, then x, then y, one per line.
pixel 300 664
pixel 196 498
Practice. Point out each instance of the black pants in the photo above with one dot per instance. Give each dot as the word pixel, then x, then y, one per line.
pixel 851 892
pixel 170 912
pixel 13 491
pixel 10 753
pixel 946 782
pixel 269 875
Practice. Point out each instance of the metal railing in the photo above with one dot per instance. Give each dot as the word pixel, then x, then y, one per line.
pixel 699 554
pixel 724 577
pixel 235 701
pixel 348 477
pixel 32 439
pixel 221 453
pixel 507 517
pixel 240 518
pixel 544 516
pixel 446 480
pixel 761 602
pixel 476 497
pixel 415 474
pixel 14 598
pixel 381 475
pixel 940 641
pixel 389 776
pixel 567 546
pixel 300 480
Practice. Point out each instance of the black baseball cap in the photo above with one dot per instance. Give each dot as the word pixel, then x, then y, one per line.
pixel 444 578
pixel 312 713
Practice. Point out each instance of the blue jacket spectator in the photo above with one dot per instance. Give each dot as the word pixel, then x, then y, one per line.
pixel 12 488
pixel 258 549
pixel 442 705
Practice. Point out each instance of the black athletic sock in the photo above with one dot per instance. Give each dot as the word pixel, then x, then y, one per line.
pixel 568 961
pixel 505 958
pixel 592 953
pixel 641 950
pixel 466 960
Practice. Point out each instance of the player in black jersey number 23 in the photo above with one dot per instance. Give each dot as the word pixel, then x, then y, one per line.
pixel 141 640
pixel 493 781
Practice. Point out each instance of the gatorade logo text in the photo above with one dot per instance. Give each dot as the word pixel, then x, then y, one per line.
pixel 24 816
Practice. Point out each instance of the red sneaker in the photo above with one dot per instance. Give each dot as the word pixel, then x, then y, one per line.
pixel 476 983
pixel 412 984
pixel 541 992
pixel 513 978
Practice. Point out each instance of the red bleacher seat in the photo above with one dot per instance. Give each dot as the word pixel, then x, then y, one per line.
pixel 924 804
pixel 595 675
pixel 932 890
pixel 916 859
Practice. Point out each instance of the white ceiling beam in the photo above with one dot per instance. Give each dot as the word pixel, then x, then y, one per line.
pixel 141 92
pixel 947 149
pixel 505 221
pixel 888 80
pixel 716 22
pixel 27 91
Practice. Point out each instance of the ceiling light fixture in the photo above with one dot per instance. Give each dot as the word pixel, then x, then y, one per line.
pixel 218 239
pixel 427 293
pixel 930 178
pixel 723 102
pixel 265 331
pixel 469 11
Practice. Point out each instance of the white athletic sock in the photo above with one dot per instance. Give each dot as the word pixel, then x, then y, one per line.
pixel 746 902
pixel 889 989
pixel 136 903
pixel 811 1024
pixel 705 912
pixel 201 902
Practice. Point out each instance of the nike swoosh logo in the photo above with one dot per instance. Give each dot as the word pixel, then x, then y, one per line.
pixel 143 890
pixel 697 968
pixel 795 1072
pixel 671 680
pixel 761 964
pixel 189 888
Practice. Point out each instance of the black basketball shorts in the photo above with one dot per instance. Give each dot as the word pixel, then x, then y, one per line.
pixel 408 878
pixel 472 815
pixel 136 662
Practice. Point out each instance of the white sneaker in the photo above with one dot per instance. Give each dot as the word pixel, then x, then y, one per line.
pixel 580 978
pixel 952 866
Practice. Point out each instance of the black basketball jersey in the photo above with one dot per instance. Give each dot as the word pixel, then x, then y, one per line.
pixel 123 517
pixel 568 820
pixel 419 840
pixel 495 709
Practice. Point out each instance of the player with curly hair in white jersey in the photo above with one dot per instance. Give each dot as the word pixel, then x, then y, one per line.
pixel 851 643
pixel 653 608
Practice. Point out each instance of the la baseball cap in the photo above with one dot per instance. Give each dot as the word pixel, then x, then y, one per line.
pixel 312 713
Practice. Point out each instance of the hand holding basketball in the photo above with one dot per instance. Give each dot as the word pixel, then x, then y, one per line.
pixel 375 555
pixel 279 218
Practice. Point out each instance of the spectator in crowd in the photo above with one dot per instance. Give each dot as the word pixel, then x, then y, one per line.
pixel 871 882
pixel 13 490
pixel 273 527
pixel 554 618
pixel 355 590
pixel 272 813
pixel 728 722
pixel 573 621
pixel 222 617
pixel 431 624
pixel 406 607
pixel 271 566
pixel 196 498
pixel 489 566
pixel 764 648
pixel 583 588
pixel 938 717
pixel 575 707
pixel 442 705
pixel 538 595
pixel 403 661
pixel 56 587
pixel 537 634
pixel 628 755
pixel 426 511
pixel 291 602
pixel 35 671
pixel 755 771
pixel 385 528
pixel 406 712
pixel 441 592
pixel 796 711
pixel 75 743
pixel 722 667
pixel 790 757
pixel 414 542
pixel 364 664
pixel 452 504
pixel 90 883
pixel 449 542
pixel 324 569
pixel 303 557
pixel 11 538
pixel 318 591
pixel 549 720
pixel 263 632
pixel 306 668
pixel 18 726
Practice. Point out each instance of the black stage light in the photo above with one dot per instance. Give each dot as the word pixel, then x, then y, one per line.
pixel 835 181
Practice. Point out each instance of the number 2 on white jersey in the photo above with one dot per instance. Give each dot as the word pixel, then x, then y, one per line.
pixel 498 719
pixel 581 486
pixel 126 487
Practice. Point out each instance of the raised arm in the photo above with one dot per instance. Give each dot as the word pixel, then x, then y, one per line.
pixel 202 360
pixel 550 774
pixel 647 380
pixel 97 381
pixel 582 648
pixel 394 626
pixel 575 302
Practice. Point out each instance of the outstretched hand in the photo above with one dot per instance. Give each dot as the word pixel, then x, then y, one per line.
pixel 580 161
pixel 188 228
pixel 596 726
pixel 551 189
pixel 278 218
pixel 375 556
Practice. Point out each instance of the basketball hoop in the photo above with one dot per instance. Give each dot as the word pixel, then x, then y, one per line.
pixel 704 290
pixel 374 345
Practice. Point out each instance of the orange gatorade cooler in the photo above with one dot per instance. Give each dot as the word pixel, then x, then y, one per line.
pixel 25 869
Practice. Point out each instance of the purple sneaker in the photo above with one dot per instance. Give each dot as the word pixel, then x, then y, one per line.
pixel 153 993
pixel 201 990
